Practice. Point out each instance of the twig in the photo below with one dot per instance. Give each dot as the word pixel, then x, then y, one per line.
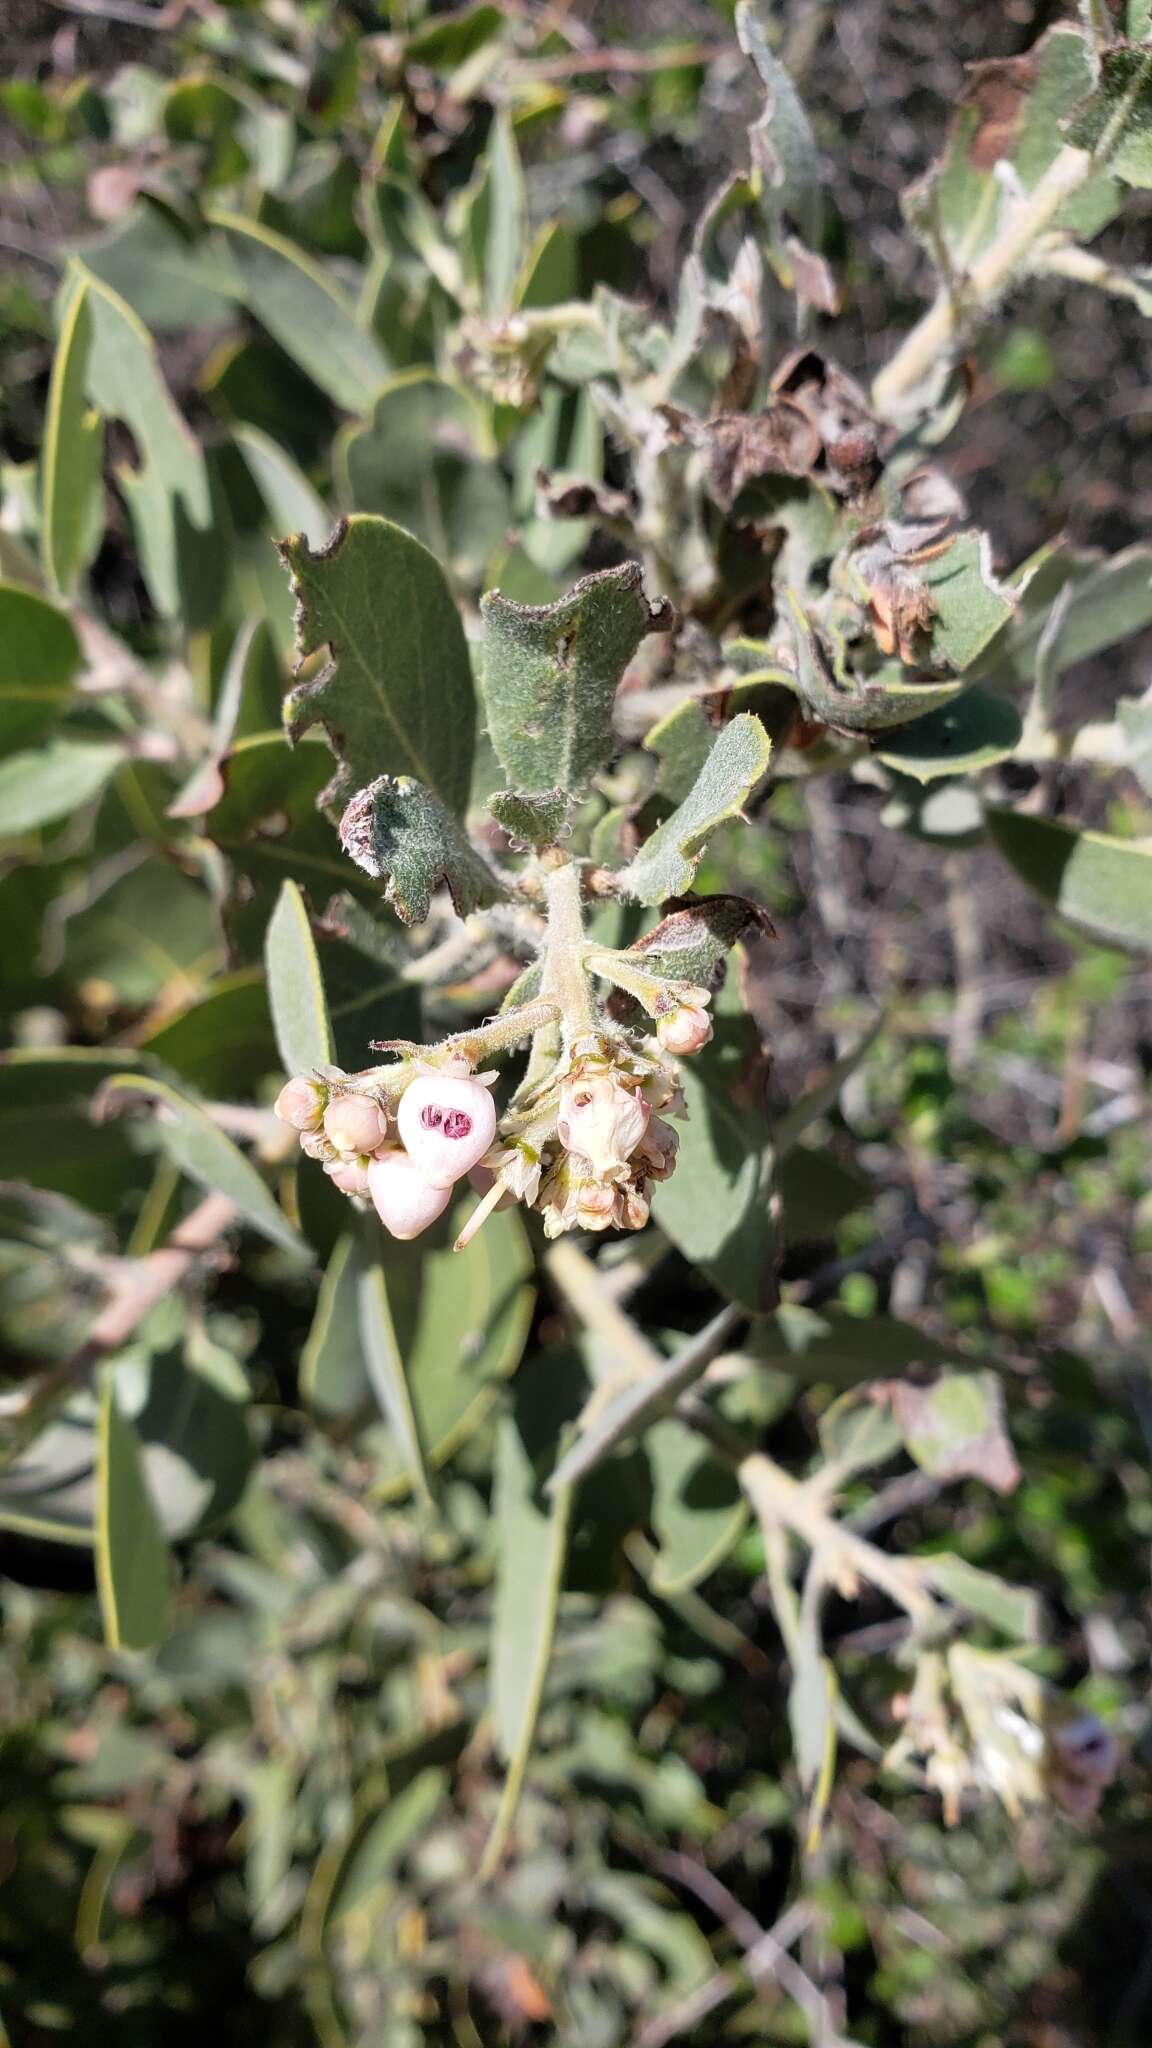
pixel 138 1285
pixel 964 929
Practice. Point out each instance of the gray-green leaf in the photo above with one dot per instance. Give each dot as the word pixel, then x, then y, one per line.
pixel 551 671
pixel 397 831
pixel 667 862
pixel 396 695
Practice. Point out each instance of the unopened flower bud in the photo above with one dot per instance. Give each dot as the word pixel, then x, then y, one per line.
pixel 349 1175
pixel 317 1146
pixel 602 1121
pixel 301 1103
pixel 634 1209
pixel 685 1029
pixel 405 1202
pixel 354 1123
pixel 447 1123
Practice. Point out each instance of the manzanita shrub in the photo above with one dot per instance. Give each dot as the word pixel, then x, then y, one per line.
pixel 384 998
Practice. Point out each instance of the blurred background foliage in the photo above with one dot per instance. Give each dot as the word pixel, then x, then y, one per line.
pixel 273 1823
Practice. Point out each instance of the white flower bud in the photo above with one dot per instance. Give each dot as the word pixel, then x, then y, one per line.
pixel 301 1103
pixel 349 1175
pixel 602 1121
pixel 354 1123
pixel 446 1122
pixel 405 1202
pixel 317 1146
pixel 685 1029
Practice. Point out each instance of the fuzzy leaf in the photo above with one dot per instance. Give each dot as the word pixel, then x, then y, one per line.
pixel 668 860
pixel 1103 886
pixel 639 1403
pixel 1125 83
pixel 971 606
pixel 418 459
pixel 534 821
pixel 1009 113
pixel 971 733
pixel 550 675
pixel 1102 599
pixel 860 705
pixel 1014 1610
pixel 783 148
pixel 396 695
pixel 333 1376
pixel 694 940
pixel 398 832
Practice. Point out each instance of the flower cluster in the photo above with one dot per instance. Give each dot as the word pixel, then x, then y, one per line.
pixel 582 1140
pixel 444 1119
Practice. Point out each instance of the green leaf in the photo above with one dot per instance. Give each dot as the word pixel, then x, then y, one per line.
pixel 70 483
pixel 1077 602
pixel 48 1491
pixel 1102 886
pixel 857 704
pixel 971 606
pixel 858 1433
pixel 501 217
pixel 299 306
pixel 550 674
pixel 832 1347
pixel 296 987
pixel 398 832
pixel 152 935
pixel 384 1360
pixel 532 1545
pixel 698 1510
pixel 1134 717
pixel 204 1153
pixel 132 1564
pixel 39 657
pixel 718 1206
pixel 292 504
pixel 384 1838
pixel 396 696
pixel 1015 1610
pixel 45 1100
pixel 420 460
pixel 812 1698
pixel 535 821
pixel 784 152
pixel 667 862
pixel 461 1320
pixel 52 782
pixel 1123 94
pixel 173 277
pixel 955 1429
pixel 694 940
pixel 188 1407
pixel 268 824
pixel 1008 116
pixel 223 1044
pixel 180 538
pixel 333 1376
pixel 960 738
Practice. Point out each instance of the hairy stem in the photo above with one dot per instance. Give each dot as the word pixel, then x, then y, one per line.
pixel 564 979
pixel 933 336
